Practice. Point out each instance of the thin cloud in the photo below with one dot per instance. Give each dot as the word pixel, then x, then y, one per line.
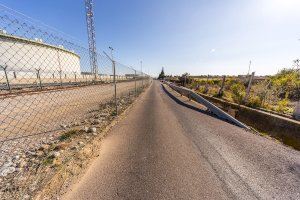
pixel 212 50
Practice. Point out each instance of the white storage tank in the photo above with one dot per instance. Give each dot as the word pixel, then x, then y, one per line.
pixel 25 57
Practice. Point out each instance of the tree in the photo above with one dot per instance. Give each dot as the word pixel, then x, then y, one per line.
pixel 162 74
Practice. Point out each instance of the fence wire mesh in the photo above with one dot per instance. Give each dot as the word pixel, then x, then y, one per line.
pixel 46 83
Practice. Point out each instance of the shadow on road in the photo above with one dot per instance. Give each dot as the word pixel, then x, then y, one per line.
pixel 206 112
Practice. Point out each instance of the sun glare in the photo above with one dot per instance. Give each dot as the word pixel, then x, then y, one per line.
pixel 283 6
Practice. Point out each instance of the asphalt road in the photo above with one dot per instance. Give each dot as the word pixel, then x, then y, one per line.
pixel 163 150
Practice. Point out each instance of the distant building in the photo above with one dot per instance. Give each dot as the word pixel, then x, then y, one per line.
pixel 256 78
pixel 130 75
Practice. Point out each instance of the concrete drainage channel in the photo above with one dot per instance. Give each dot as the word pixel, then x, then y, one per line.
pixel 211 107
pixel 285 130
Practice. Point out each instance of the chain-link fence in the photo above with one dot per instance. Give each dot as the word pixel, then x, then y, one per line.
pixel 46 83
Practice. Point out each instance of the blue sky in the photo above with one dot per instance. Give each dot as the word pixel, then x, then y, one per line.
pixel 194 36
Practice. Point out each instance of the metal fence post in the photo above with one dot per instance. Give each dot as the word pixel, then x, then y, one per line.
pixel 206 86
pixel 142 74
pixel 114 79
pixel 6 76
pixel 222 86
pixel 249 87
pixel 142 80
pixel 60 78
pixel 115 85
pixel 135 83
pixel 95 77
pixel 39 77
pixel 75 77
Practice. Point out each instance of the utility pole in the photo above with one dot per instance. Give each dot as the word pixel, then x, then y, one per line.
pixel 249 68
pixel 249 87
pixel 89 8
pixel 220 93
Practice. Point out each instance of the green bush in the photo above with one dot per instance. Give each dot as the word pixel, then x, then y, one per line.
pixel 272 92
pixel 231 81
pixel 201 82
pixel 286 83
pixel 203 89
pixel 282 105
pixel 193 84
pixel 214 91
pixel 254 102
pixel 238 92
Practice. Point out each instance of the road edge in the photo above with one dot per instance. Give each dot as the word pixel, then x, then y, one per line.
pixel 72 171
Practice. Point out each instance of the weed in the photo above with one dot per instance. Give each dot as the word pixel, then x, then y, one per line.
pixel 238 91
pixel 49 160
pixel 254 101
pixel 282 105
pixel 67 135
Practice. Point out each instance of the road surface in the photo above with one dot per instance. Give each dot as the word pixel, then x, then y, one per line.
pixel 163 150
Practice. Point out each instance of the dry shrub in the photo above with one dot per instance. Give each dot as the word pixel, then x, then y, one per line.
pixel 238 92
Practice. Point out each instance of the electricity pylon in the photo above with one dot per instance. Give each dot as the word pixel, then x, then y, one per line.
pixel 89 8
